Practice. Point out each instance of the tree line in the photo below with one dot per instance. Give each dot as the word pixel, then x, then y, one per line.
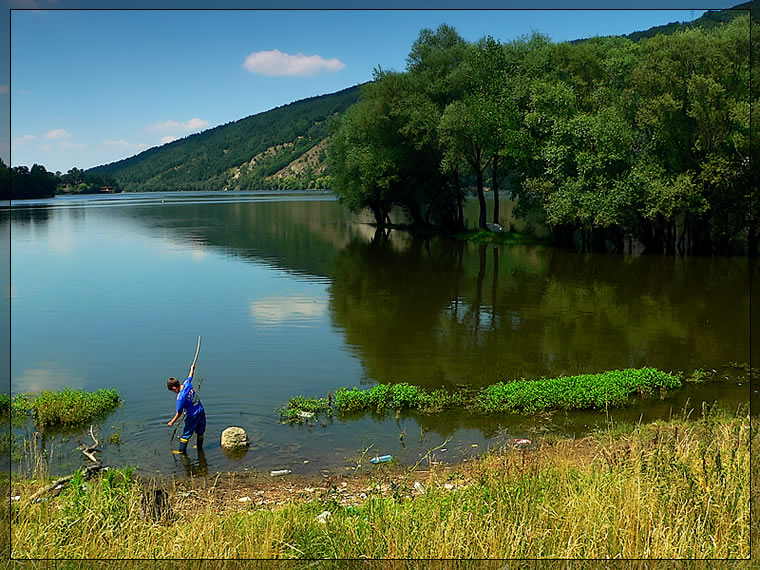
pixel 21 182
pixel 613 139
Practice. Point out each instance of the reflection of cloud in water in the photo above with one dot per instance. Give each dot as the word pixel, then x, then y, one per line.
pixel 198 252
pixel 275 309
pixel 52 377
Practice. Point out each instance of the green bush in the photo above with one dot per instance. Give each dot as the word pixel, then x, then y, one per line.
pixel 69 407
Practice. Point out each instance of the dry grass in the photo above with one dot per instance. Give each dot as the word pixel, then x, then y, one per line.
pixel 673 490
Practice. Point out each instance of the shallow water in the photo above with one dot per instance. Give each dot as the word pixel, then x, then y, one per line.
pixel 295 296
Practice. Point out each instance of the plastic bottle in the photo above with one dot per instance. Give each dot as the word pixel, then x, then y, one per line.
pixel 381 459
pixel 280 472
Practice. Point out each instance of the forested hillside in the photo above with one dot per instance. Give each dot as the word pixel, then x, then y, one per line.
pixel 279 148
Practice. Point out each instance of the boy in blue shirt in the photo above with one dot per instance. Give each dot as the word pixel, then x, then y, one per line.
pixel 195 416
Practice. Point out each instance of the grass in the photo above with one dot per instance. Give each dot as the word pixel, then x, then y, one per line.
pixel 666 490
pixel 607 389
pixel 64 408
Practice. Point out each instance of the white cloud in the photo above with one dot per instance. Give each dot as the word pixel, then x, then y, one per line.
pixel 3 89
pixel 115 143
pixel 177 127
pixel 168 139
pixel 57 134
pixel 25 139
pixel 277 63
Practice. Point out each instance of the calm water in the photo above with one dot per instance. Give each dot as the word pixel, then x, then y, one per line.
pixel 293 295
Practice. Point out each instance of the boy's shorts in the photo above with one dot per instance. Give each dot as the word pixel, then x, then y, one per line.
pixel 196 424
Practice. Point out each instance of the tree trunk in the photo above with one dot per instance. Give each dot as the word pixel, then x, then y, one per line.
pixel 481 200
pixel 495 186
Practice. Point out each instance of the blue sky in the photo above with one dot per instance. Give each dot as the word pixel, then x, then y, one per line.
pixel 87 87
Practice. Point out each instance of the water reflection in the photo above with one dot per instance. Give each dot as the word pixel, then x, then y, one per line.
pixel 194 468
pixel 442 312
pixel 294 309
pixel 297 297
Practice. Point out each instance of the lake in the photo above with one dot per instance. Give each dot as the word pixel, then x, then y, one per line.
pixel 293 295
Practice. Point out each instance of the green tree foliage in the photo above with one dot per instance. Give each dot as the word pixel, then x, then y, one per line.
pixel 77 181
pixel 5 181
pixel 34 183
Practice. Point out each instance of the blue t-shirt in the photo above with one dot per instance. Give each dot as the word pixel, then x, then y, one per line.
pixel 188 399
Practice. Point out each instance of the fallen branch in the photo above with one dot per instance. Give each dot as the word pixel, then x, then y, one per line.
pixel 86 474
pixel 89 451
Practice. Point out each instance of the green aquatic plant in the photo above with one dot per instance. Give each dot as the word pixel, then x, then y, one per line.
pixel 583 391
pixel 69 408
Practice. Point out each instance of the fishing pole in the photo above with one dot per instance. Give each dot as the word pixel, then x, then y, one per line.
pixel 192 367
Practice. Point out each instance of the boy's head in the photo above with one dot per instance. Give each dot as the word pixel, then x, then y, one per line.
pixel 173 384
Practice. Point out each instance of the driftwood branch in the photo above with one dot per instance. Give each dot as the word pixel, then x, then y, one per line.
pixel 89 451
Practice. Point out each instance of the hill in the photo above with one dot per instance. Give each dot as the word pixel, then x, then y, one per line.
pixel 280 148
pixel 709 19
pixel 286 147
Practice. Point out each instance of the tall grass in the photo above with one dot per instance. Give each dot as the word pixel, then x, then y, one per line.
pixel 677 489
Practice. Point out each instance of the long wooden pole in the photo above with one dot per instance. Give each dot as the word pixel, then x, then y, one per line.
pixel 197 350
pixel 195 359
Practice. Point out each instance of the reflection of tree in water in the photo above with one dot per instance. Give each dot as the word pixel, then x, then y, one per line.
pixel 388 302
pixel 27 216
pixel 439 313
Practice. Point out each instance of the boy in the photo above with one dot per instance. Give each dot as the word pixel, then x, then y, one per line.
pixel 188 400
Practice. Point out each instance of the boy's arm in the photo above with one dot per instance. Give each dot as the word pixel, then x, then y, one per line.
pixel 175 418
pixel 192 371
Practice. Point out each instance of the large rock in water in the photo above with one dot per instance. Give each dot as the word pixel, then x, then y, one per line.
pixel 234 438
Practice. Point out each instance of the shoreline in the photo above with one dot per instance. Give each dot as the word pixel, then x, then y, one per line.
pixel 665 489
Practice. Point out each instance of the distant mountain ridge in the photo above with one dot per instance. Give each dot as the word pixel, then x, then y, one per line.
pixel 285 147
pixel 280 148
pixel 708 20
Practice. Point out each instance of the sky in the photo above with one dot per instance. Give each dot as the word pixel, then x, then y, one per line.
pixel 88 87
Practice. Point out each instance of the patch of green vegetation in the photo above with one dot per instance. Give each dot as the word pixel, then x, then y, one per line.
pixel 70 408
pixel 584 391
pixel 19 408
pixel 501 238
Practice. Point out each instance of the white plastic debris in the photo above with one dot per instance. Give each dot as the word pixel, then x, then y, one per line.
pixel 244 499
pixel 306 415
pixel 322 517
pixel 522 441
pixel 419 488
pixel 16 498
pixel 278 472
